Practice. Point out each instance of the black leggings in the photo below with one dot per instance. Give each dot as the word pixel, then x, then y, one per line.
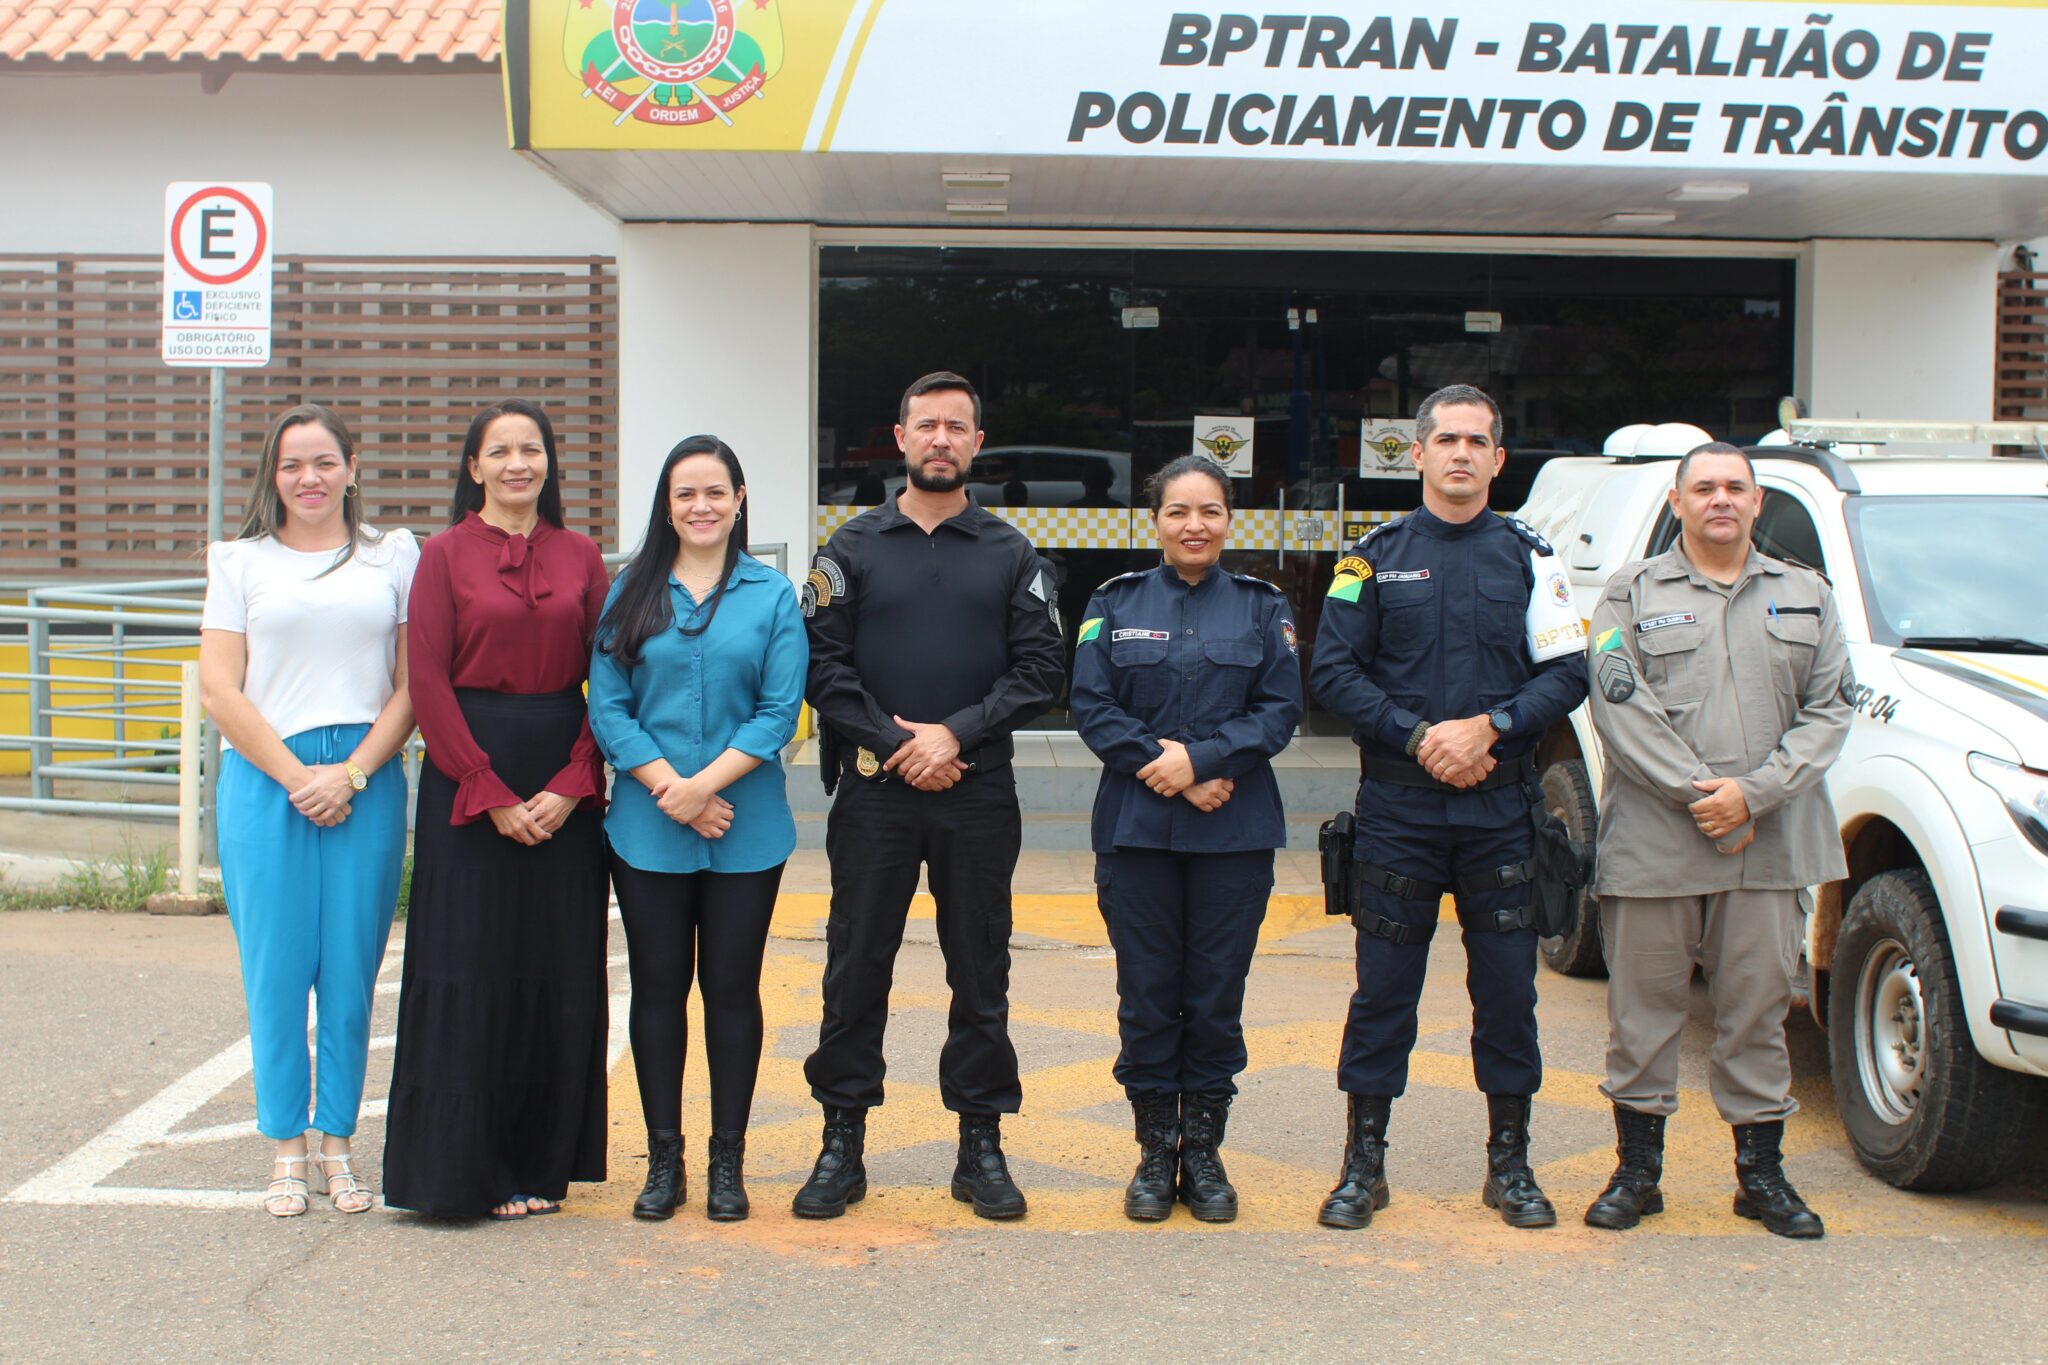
pixel 715 923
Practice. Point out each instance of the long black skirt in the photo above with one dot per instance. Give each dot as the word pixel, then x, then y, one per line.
pixel 498 1085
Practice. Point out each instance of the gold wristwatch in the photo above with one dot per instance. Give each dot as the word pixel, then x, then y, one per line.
pixel 357 778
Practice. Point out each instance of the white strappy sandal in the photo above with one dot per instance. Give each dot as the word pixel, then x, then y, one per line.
pixel 340 1183
pixel 286 1197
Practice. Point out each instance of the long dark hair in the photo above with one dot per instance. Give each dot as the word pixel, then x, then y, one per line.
pixel 641 610
pixel 266 514
pixel 469 494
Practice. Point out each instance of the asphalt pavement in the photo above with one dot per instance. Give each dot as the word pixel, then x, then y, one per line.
pixel 129 1226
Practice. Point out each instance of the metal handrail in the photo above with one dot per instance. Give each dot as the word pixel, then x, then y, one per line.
pixel 91 623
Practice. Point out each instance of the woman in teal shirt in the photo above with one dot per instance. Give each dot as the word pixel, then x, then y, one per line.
pixel 695 686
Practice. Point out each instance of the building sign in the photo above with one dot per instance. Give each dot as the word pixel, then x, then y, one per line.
pixel 217 240
pixel 1228 441
pixel 1383 446
pixel 1695 85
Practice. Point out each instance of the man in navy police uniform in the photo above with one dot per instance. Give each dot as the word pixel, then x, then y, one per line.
pixel 1424 648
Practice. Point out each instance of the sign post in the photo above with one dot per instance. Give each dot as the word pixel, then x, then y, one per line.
pixel 217 279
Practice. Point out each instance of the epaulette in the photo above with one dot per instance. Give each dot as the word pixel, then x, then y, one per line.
pixel 1624 580
pixel 1527 533
pixel 1135 573
pixel 1273 588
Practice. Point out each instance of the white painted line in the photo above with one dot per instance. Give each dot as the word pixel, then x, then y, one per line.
pixel 152 1126
pixel 77 1174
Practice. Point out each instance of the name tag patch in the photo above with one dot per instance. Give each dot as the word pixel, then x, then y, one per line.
pixel 1129 634
pixel 1410 576
pixel 1680 618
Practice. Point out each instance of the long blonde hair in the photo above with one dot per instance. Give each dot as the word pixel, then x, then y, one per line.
pixel 266 505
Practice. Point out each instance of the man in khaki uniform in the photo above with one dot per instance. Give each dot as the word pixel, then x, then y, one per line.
pixel 1718 682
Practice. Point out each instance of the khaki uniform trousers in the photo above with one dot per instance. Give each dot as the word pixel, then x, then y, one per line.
pixel 1747 941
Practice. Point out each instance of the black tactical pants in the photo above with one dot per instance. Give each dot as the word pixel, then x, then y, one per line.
pixel 1500 973
pixel 967 838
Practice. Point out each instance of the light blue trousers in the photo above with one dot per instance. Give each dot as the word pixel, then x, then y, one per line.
pixel 311 908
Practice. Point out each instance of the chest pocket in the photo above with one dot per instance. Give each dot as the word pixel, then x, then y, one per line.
pixel 1144 663
pixel 1503 609
pixel 1671 663
pixel 1407 616
pixel 1794 641
pixel 1227 676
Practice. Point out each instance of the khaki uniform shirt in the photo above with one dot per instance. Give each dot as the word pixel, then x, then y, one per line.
pixel 1692 680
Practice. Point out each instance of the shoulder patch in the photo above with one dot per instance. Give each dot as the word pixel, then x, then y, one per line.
pixel 1527 533
pixel 1090 628
pixel 1354 565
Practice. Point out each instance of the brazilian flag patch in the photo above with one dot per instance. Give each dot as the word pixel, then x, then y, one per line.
pixel 1090 628
pixel 1609 639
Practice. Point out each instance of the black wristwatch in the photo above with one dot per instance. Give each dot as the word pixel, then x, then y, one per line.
pixel 1501 719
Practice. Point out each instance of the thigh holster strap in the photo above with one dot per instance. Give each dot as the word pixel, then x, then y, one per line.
pixel 1495 878
pixel 1379 926
pixel 1497 921
pixel 1394 884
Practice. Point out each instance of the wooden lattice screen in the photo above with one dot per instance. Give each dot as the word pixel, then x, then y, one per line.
pixel 2022 393
pixel 103 447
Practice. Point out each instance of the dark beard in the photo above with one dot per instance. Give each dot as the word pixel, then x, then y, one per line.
pixel 924 479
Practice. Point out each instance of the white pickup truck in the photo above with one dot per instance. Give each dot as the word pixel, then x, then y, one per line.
pixel 1928 966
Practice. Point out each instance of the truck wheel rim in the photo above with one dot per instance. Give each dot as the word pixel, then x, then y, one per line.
pixel 1891 1034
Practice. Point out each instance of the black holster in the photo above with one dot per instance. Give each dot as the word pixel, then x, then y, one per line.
pixel 829 751
pixel 1333 842
pixel 1563 871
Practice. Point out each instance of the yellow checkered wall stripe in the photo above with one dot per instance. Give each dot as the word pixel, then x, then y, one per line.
pixel 1119 528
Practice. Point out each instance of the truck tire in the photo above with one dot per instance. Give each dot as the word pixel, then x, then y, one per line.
pixel 1568 795
pixel 1922 1109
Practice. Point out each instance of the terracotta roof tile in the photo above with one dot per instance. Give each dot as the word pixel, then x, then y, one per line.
pixel 284 30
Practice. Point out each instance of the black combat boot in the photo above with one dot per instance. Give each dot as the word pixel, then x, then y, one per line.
pixel 838 1178
pixel 1632 1191
pixel 1510 1184
pixel 982 1177
pixel 725 1189
pixel 665 1182
pixel 1149 1196
pixel 1204 1187
pixel 1763 1191
pixel 1362 1186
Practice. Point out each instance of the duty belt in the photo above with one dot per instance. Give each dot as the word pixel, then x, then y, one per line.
pixel 866 764
pixel 1404 772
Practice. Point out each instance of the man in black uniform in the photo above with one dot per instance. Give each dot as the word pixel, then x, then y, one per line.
pixel 934 635
pixel 1424 648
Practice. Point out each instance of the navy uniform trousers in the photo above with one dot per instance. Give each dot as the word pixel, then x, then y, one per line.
pixel 1500 973
pixel 1184 926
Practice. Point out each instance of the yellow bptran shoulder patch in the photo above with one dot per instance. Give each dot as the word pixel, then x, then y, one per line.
pixel 1352 571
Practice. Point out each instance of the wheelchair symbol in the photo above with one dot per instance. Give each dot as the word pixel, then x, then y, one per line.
pixel 185 305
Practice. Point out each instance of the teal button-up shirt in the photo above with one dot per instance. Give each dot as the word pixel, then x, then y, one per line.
pixel 739 685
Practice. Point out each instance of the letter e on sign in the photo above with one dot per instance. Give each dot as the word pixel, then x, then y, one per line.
pixel 217 274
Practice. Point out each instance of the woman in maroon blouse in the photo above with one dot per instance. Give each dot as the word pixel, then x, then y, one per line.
pixel 498 1087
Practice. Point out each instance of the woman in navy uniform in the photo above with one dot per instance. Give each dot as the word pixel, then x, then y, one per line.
pixel 1185 686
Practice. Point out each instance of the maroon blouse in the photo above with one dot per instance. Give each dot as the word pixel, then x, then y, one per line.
pixel 501 613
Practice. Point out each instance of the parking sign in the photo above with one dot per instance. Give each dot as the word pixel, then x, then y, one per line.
pixel 217 240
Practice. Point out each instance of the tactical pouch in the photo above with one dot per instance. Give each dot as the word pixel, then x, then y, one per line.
pixel 1564 869
pixel 1333 842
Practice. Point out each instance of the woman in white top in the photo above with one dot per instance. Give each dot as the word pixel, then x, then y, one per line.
pixel 302 667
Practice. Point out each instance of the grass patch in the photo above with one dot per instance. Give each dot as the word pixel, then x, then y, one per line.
pixel 120 883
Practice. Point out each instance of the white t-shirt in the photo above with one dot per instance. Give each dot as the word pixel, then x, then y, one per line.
pixel 320 649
